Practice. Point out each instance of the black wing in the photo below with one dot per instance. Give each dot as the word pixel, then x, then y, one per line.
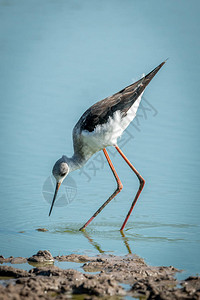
pixel 100 112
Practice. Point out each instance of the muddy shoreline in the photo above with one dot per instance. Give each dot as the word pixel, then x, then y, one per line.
pixel 102 276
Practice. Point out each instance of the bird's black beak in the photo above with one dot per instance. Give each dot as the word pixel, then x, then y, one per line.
pixel 54 197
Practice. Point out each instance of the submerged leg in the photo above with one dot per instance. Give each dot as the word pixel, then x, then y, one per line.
pixel 142 182
pixel 119 188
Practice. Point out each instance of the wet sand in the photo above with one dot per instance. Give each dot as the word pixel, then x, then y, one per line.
pixel 115 276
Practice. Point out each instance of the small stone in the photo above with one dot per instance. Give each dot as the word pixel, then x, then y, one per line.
pixel 18 260
pixel 42 257
pixel 73 258
pixel 7 271
pixel 42 229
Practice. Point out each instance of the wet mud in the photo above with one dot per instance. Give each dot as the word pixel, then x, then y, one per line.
pixel 115 277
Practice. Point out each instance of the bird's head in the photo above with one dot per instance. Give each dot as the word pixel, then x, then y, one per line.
pixel 60 171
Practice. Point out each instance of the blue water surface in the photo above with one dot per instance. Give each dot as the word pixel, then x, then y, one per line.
pixel 56 59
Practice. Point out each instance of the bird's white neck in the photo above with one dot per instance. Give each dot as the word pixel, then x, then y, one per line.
pixel 75 162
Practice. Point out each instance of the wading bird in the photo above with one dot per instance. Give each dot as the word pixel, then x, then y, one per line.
pixel 99 127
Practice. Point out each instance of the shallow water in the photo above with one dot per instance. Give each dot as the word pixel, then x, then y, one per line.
pixel 58 58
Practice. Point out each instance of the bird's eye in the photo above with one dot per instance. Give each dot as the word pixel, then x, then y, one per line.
pixel 63 174
pixel 63 169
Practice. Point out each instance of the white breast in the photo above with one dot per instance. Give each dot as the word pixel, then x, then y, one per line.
pixel 107 134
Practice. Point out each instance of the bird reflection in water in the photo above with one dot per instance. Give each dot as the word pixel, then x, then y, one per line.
pixel 98 247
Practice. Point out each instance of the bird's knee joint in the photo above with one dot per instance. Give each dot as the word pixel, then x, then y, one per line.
pixel 142 182
pixel 120 187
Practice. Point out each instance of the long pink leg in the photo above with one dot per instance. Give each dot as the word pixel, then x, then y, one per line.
pixel 142 182
pixel 119 188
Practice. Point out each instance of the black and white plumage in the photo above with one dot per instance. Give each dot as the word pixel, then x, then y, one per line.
pixel 100 126
pixel 104 122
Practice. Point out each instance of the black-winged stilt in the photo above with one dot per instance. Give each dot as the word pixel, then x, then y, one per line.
pixel 99 127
